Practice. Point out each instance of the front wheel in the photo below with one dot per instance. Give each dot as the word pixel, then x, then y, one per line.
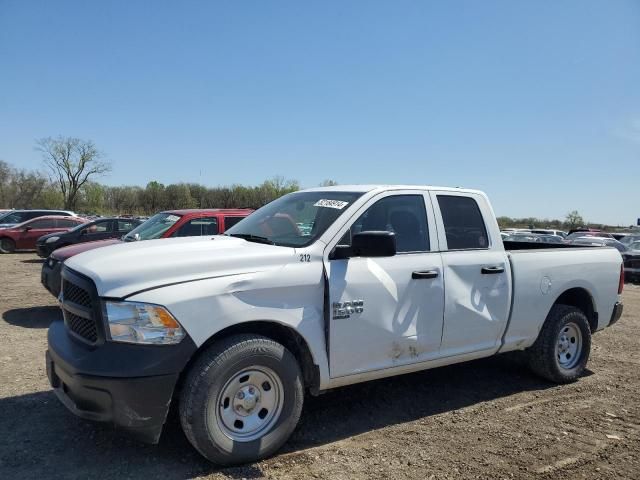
pixel 561 352
pixel 241 399
pixel 7 245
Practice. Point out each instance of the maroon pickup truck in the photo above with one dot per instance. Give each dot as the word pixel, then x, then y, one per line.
pixel 171 223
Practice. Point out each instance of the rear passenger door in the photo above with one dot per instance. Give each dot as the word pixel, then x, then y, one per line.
pixel 476 273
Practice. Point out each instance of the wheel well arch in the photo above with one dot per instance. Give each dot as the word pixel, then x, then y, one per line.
pixel 581 299
pixel 286 336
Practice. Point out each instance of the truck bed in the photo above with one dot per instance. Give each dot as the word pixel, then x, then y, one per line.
pixel 541 273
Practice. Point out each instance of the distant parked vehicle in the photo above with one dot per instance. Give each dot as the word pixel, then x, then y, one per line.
pixel 599 242
pixel 550 239
pixel 631 259
pixel 25 235
pixel 522 237
pixel 629 239
pixel 15 217
pixel 100 229
pixel 172 223
pixel 595 234
pixel 545 231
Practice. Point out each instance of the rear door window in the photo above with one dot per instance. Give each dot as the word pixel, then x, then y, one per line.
pixel 463 223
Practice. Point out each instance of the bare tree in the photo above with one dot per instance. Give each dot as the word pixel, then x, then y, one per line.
pixel 574 219
pixel 73 162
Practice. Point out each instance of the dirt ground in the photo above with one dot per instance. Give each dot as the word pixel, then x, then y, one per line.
pixel 484 419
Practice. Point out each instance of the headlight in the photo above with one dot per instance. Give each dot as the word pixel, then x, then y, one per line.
pixel 52 239
pixel 133 322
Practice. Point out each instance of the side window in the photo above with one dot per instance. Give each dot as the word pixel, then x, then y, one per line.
pixel 15 218
pixel 231 221
pixel 99 227
pixel 198 227
pixel 463 223
pixel 125 226
pixel 30 215
pixel 404 215
pixel 50 223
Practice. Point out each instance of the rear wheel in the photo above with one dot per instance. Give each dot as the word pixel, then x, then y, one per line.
pixel 7 245
pixel 241 399
pixel 561 352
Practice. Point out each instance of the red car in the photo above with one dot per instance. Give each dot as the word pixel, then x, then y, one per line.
pixel 24 235
pixel 172 223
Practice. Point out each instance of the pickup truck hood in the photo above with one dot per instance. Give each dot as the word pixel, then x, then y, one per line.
pixel 126 268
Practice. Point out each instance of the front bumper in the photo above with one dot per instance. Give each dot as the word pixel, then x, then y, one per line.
pixel 617 313
pixel 51 276
pixel 128 385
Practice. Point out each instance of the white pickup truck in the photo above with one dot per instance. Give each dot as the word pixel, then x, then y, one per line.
pixel 318 289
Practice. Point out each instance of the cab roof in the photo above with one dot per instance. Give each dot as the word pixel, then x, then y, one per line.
pixel 382 187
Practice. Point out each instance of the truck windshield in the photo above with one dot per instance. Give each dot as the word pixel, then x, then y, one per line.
pixel 152 228
pixel 295 220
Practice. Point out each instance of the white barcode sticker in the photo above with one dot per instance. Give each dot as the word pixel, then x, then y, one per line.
pixel 338 204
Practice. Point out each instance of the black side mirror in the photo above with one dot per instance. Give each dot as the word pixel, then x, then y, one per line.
pixel 27 228
pixel 367 244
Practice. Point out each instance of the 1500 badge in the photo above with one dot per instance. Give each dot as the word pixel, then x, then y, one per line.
pixel 345 309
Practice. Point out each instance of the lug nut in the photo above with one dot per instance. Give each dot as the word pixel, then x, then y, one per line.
pixel 240 395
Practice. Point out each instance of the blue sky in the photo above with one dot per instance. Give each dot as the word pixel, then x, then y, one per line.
pixel 537 103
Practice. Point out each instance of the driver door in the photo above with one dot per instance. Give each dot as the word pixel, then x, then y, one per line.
pixel 387 311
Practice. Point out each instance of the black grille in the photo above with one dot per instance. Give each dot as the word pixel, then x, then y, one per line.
pixel 78 308
pixel 84 327
pixel 77 295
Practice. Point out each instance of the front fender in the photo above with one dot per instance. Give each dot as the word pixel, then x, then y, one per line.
pixel 294 298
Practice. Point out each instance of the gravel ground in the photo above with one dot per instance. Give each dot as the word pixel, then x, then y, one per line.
pixel 483 419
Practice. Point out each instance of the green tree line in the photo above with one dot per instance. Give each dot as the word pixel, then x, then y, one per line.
pixel 20 188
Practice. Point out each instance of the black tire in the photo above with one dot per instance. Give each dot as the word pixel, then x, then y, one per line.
pixel 543 356
pixel 210 376
pixel 7 245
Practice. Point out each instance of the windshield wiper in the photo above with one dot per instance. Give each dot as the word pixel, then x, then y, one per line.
pixel 251 238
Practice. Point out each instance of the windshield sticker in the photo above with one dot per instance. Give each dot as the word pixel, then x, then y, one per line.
pixel 173 218
pixel 337 204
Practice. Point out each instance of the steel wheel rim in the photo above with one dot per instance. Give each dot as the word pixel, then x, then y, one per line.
pixel 569 346
pixel 249 403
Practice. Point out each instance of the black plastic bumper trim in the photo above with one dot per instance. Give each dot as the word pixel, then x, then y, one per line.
pixel 617 313
pixel 128 385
